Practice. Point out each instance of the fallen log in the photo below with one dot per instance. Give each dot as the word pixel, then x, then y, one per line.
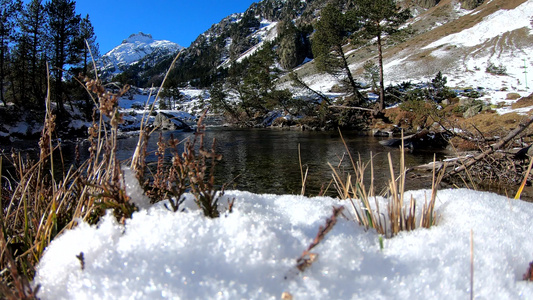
pixel 521 127
pixel 423 139
pixel 351 107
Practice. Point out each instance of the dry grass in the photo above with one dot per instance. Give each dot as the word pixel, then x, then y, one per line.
pixel 528 276
pixel 490 123
pixel 41 205
pixel 523 102
pixel 37 204
pixel 398 215
pixel 308 258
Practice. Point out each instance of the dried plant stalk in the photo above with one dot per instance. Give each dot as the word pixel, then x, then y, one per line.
pixel 307 258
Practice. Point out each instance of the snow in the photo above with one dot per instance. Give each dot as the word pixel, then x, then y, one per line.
pixel 77 124
pixel 463 57
pixel 134 48
pixel 133 189
pixel 251 253
pixel 494 25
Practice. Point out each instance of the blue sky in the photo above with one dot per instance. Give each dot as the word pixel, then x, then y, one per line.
pixel 174 20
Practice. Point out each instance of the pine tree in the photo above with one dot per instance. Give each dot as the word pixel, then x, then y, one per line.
pixel 219 100
pixel 294 44
pixel 258 81
pixel 9 11
pixel 254 81
pixel 32 31
pixel 379 18
pixel 20 72
pixel 85 45
pixel 86 33
pixel 288 48
pixel 331 34
pixel 63 27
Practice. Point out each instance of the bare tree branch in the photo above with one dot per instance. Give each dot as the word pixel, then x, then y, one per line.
pixel 521 127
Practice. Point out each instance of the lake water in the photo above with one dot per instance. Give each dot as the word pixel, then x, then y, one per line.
pixel 266 160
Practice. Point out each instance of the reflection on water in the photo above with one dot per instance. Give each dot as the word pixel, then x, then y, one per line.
pixel 266 160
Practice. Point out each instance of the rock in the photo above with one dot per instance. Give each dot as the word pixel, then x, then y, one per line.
pixel 472 111
pixel 268 119
pixel 391 143
pixel 381 133
pixel 466 102
pixel 164 121
pixel 424 139
pixel 282 122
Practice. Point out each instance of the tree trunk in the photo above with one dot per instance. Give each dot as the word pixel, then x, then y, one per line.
pixel 346 67
pixel 2 71
pixel 381 82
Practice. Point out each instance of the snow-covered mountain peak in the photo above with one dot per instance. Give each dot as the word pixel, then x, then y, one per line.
pixel 137 48
pixel 139 37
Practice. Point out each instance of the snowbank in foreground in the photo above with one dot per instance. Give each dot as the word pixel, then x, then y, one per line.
pixel 251 253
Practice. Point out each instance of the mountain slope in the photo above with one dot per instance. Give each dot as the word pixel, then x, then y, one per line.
pixel 495 33
pixel 462 44
pixel 445 37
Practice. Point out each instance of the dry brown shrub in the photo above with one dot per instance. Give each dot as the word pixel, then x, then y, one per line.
pixel 491 123
pixel 405 119
pixel 512 96
pixel 463 145
pixel 392 113
pixel 523 102
pixel 452 110
pixel 380 124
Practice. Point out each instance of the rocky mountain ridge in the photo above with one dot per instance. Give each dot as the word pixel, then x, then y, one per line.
pixel 138 49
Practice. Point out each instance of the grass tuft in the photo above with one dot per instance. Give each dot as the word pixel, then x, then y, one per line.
pixel 399 215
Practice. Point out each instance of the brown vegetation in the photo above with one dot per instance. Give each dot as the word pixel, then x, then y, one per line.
pixel 523 102
pixel 491 124
pixel 528 276
pixel 400 213
pixel 42 199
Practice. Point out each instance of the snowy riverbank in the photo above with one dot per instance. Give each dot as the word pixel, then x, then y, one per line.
pixel 251 253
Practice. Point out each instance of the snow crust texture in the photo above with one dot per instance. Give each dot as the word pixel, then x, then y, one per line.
pixel 251 253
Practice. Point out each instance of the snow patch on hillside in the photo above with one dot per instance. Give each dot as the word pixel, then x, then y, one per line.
pixel 496 24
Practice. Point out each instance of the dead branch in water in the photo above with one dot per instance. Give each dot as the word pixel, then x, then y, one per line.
pixel 521 127
pixel 351 107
